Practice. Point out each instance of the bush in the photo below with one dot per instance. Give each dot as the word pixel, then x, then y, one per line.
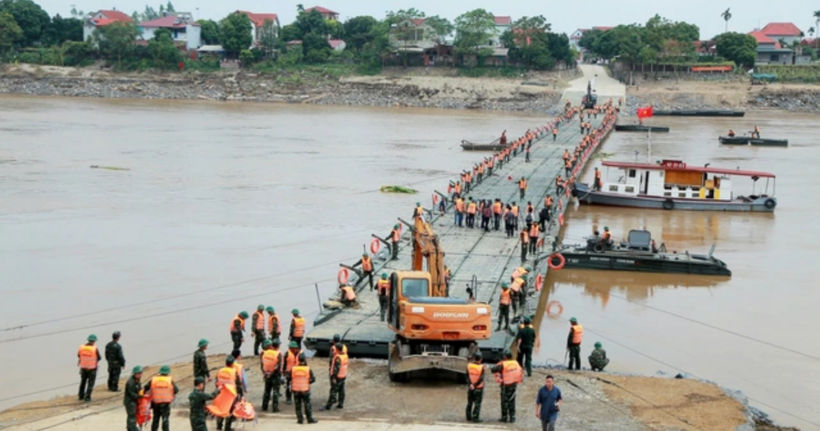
pixel 788 73
pixel 246 58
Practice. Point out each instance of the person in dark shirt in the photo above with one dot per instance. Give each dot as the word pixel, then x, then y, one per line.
pixel 116 362
pixel 547 404
pixel 525 340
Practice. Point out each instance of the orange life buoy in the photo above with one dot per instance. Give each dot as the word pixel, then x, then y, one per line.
pixel 561 219
pixel 561 261
pixel 554 304
pixel 375 245
pixel 435 199
pixel 343 276
pixel 539 281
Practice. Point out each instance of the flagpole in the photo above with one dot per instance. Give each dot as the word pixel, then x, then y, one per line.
pixel 649 151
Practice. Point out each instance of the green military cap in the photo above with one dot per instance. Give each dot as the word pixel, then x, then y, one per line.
pixel 528 268
pixel 270 309
pixel 364 254
pixel 92 337
pixel 396 226
pixel 137 370
pixel 260 307
pixel 505 285
pixel 524 276
pixel 244 314
pixel 198 381
pixel 293 345
pixel 337 337
pixel 165 370
pixel 573 320
pixel 477 356
pixel 418 204
pixel 384 275
pixel 276 342
pixel 203 342
pixel 302 357
pixel 606 227
pixel 598 345
pixel 266 343
pixel 294 311
pixel 230 360
pixel 527 319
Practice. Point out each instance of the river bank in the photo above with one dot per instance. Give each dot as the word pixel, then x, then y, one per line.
pixel 529 93
pixel 592 401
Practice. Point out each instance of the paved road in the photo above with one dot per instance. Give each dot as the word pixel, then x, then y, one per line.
pixel 602 84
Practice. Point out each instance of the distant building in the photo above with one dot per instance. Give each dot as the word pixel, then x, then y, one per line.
pixel 502 24
pixel 575 38
pixel 182 26
pixel 258 22
pixel 337 44
pixel 101 19
pixel 327 13
pixel 769 51
pixel 786 31
pixel 412 36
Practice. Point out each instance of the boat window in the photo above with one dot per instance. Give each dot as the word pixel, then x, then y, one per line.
pixel 682 195
pixel 632 173
pixel 667 194
pixel 630 189
pixel 414 288
pixel 613 188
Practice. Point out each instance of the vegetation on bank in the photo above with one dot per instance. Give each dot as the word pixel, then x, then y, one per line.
pixel 802 74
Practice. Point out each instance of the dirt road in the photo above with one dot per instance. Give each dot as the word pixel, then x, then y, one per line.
pixel 602 84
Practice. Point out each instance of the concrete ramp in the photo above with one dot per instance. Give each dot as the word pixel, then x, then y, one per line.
pixel 603 85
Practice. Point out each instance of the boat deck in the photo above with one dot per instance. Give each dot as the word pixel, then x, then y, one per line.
pixel 489 258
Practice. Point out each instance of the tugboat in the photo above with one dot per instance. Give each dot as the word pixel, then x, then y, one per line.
pixel 671 184
pixel 639 254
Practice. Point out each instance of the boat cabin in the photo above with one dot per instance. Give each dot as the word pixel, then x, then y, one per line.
pixel 674 179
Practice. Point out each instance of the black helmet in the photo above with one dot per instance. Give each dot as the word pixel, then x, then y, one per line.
pixel 116 335
pixel 337 338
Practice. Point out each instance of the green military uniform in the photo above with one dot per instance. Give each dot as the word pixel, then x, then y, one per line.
pixel 258 334
pixel 507 392
pixel 526 335
pixel 197 400
pixel 275 328
pixel 475 392
pixel 273 381
pixel 597 359
pixel 522 295
pixel 131 399
pixel 237 330
pixel 303 398
pixel 337 384
pixel 161 411
pixel 201 361
pixel 88 377
pixel 504 309
pixel 574 348
pixel 116 362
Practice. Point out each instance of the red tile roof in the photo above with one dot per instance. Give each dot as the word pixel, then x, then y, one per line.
pixel 258 19
pixel 116 15
pixel 503 20
pixel 321 10
pixel 164 22
pixel 603 28
pixel 417 21
pixel 780 29
pixel 335 42
pixel 761 38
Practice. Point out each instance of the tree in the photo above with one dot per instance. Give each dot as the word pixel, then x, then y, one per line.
pixel 359 31
pixel 164 54
pixel 737 47
pixel 811 32
pixel 816 23
pixel 559 47
pixel 442 27
pixel 290 32
pixel 268 38
pixel 115 39
pixel 209 31
pixel 246 58
pixel 79 14
pixel 474 30
pixel 315 47
pixel 162 33
pixel 10 32
pixel 235 33
pixel 726 15
pixel 335 30
pixel 312 22
pixel 63 29
pixel 169 7
pixel 31 18
pixel 395 17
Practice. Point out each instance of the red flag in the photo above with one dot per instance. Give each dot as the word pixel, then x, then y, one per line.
pixel 645 112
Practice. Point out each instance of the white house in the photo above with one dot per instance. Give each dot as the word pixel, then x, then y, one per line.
pixel 258 22
pixel 327 13
pixel 337 44
pixel 575 38
pixel 502 24
pixel 786 31
pixel 182 26
pixel 412 35
pixel 101 19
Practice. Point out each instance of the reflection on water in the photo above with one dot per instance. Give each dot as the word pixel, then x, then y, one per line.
pixel 601 285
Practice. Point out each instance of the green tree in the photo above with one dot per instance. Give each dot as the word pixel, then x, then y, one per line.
pixel 63 29
pixel 292 57
pixel 335 30
pixel 268 38
pixel 246 58
pixel 442 27
pixel 290 32
pixel 164 54
pixel 316 48
pixel 395 17
pixel 726 15
pixel 235 34
pixel 359 31
pixel 162 33
pixel 31 18
pixel 559 48
pixel 209 31
pixel 78 14
pixel 312 22
pixel 149 14
pixel 169 7
pixel 737 47
pixel 116 39
pixel 474 30
pixel 10 32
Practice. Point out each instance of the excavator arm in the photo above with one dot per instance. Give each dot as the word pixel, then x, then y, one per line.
pixel 426 247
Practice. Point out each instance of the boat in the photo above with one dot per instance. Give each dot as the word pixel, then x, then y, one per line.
pixel 637 254
pixel 700 113
pixel 492 146
pixel 770 142
pixel 671 184
pixel 734 140
pixel 640 128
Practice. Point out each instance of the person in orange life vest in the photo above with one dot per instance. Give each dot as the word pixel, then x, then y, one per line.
pixel 367 268
pixel 555 134
pixel 274 325
pixel 535 231
pixel 383 289
pixel 559 185
pixel 597 185
pixel 503 140
pixel 237 328
pixel 258 328
pixel 228 375
pixel 504 301
pixel 338 375
pixel 289 360
pixel 163 390
pixel 88 357
pixel 525 244
pixel 606 239
pixel 509 374
pixel 302 377
pixel 516 212
pixel 576 335
pixel 347 296
pixel 418 211
pixel 297 327
pixel 393 238
pixel 475 391
pixel 336 347
pixel 133 393
pixel 498 209
pixel 756 133
pixel 731 133
pixel 272 371
pixel 527 155
pixel 522 187
pixel 472 208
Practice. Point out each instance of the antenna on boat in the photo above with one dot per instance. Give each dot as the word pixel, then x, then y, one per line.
pixel 636 155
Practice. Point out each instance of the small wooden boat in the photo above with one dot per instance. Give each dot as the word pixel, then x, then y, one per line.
pixel 770 142
pixel 640 128
pixel 492 146
pixel 700 113
pixel 734 140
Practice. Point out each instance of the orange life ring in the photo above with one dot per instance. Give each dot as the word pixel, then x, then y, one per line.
pixel 435 199
pixel 561 261
pixel 539 281
pixel 343 276
pixel 561 219
pixel 554 304
pixel 375 245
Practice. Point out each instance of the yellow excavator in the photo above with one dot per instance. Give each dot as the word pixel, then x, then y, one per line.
pixel 433 331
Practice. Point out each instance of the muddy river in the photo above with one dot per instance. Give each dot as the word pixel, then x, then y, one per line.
pixel 226 206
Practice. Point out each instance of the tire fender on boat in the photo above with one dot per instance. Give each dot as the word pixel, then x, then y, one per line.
pixel 343 276
pixel 598 248
pixel 770 203
pixel 668 204
pixel 556 265
pixel 375 245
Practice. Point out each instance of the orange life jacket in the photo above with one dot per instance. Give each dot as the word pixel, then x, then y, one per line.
pixel 350 295
pixel 270 361
pixel 534 230
pixel 300 378
pixel 607 236
pixel 274 318
pixel 241 323
pixel 475 371
pixel 298 326
pixel 525 239
pixel 226 376
pixel 598 174
pixel 334 352
pixel 343 360
pixel 396 236
pixel 419 211
pixel 516 286
pixel 519 272
pixel 260 320
pixel 505 297
pixel 221 407
pixel 383 287
pixel 291 359
pixel 162 390
pixel 512 373
pixel 459 205
pixel 577 334
pixel 471 207
pixel 497 208
pixel 88 357
pixel 548 201
pixel 458 188
pixel 522 184
pixel 515 210
pixel 367 264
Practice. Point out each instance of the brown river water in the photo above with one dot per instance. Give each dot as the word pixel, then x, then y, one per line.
pixel 227 206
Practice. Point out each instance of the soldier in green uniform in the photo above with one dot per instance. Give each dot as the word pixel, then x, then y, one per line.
pixel 259 336
pixel 116 362
pixel 161 410
pixel 509 375
pixel 522 296
pixel 271 364
pixel 88 360
pixel 201 361
pixel 197 400
pixel 504 307
pixel 597 359
pixel 131 398
pixel 475 392
pixel 338 374
pixel 273 323
pixel 302 377
pixel 526 340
